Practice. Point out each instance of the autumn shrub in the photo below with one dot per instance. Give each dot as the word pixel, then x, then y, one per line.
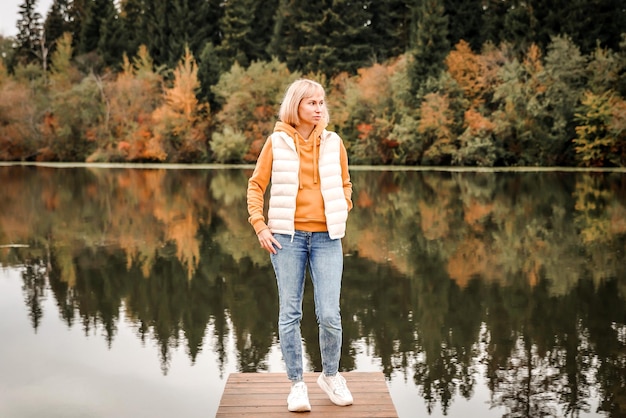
pixel 19 129
pixel 250 99
pixel 131 97
pixel 229 146
pixel 75 119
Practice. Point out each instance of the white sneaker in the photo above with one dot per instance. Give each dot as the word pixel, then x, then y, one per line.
pixel 298 399
pixel 336 389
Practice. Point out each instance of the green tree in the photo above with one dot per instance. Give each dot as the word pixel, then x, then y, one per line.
pixel 96 12
pixel 192 24
pixel 465 21
pixel 209 70
pixel 565 79
pixel 390 26
pixel 112 43
pixel 343 42
pixel 238 43
pixel 57 23
pixel 429 42
pixel 30 33
pixel 132 16
pixel 329 36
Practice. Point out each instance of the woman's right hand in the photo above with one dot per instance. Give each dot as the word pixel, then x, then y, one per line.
pixel 267 241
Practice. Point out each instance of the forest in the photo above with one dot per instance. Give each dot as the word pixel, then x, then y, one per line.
pixel 489 83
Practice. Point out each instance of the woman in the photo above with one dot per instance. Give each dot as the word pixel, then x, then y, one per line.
pixel 310 196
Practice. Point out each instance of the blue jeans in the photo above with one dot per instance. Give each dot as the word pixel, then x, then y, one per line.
pixel 324 258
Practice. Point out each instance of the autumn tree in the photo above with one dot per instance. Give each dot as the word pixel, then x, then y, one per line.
pixel 181 123
pixel 601 130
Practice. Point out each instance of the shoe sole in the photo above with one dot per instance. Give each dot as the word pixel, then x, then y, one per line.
pixel 322 384
pixel 301 408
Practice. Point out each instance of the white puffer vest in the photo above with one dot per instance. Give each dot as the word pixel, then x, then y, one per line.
pixel 285 182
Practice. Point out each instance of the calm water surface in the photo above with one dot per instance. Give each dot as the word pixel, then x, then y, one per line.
pixel 128 292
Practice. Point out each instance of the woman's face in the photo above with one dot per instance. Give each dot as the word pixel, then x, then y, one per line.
pixel 311 109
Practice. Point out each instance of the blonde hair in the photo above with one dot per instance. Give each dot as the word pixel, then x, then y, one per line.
pixel 296 92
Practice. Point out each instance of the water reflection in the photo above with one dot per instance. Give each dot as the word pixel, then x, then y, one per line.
pixel 456 280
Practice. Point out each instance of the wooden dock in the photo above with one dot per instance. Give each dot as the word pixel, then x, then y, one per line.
pixel 265 395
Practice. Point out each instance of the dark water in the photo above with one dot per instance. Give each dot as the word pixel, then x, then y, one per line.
pixel 131 292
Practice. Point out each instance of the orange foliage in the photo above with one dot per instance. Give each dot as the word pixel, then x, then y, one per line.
pixel 477 123
pixel 374 84
pixel 468 69
pixel 533 65
pixel 145 147
pixel 435 115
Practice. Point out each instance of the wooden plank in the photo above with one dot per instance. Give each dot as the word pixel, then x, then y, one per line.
pixel 265 395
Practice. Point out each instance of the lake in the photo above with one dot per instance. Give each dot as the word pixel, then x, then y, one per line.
pixel 133 291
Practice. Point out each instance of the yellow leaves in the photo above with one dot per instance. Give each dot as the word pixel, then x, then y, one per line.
pixel 601 131
pixel 468 69
pixel 181 98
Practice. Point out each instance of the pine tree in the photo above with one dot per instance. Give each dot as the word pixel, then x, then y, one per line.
pixel 30 32
pixel 96 13
pixel 493 15
pixel 157 29
pixel 246 27
pixel 430 42
pixel 77 17
pixel 57 23
pixel 390 26
pixel 133 23
pixel 346 41
pixel 190 26
pixel 111 44
pixel 326 36
pixel 465 20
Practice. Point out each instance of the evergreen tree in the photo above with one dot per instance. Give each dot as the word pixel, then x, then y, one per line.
pixel 209 70
pixel 390 26
pixel 191 26
pixel 493 16
pixel 132 17
pixel 96 13
pixel 57 23
pixel 465 20
pixel 588 22
pixel 29 36
pixel 430 42
pixel 77 17
pixel 157 31
pixel 236 27
pixel 346 41
pixel 328 36
pixel 111 44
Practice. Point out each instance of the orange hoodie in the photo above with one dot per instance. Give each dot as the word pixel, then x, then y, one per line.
pixel 309 214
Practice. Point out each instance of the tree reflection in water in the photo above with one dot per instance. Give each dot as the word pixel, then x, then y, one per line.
pixel 516 278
